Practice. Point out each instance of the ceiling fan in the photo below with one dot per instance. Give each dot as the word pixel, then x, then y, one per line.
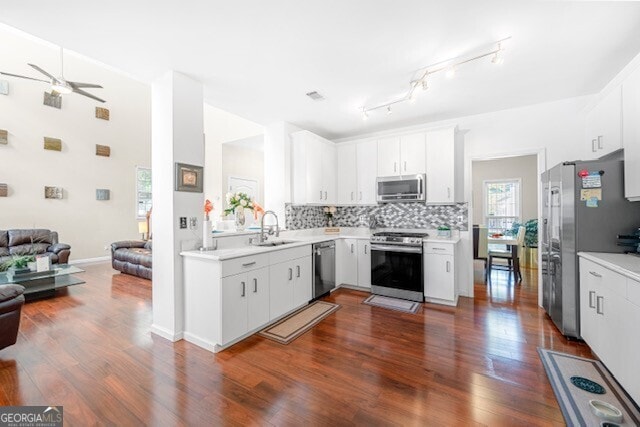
pixel 60 86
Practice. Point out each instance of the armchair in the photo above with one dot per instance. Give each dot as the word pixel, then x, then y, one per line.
pixel 11 301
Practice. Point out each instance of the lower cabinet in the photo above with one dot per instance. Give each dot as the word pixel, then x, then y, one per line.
pixel 353 262
pixel 246 303
pixel 440 273
pixel 290 286
pixel 609 315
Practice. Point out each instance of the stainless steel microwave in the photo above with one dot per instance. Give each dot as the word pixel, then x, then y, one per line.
pixel 410 188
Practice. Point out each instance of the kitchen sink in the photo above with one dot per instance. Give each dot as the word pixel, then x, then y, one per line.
pixel 275 243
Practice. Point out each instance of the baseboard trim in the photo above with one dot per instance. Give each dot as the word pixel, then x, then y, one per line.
pixel 166 334
pixel 201 342
pixel 91 260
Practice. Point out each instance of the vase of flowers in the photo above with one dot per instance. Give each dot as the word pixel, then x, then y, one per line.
pixel 329 212
pixel 236 204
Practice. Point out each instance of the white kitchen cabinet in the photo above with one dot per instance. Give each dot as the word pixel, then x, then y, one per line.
pixel 631 135
pixel 366 159
pixel 364 263
pixel 631 314
pixel 604 125
pixel 444 166
pixel 389 156
pixel 402 155
pixel 347 262
pixel 290 286
pixel 412 154
pixel 313 178
pixel 246 297
pixel 347 174
pixel 440 279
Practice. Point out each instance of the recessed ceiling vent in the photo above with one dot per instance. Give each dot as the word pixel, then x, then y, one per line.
pixel 315 96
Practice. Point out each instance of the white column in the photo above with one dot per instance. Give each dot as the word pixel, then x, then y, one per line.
pixel 277 168
pixel 177 136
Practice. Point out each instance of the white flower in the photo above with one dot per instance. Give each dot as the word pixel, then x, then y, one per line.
pixel 326 209
pixel 243 202
pixel 228 197
pixel 332 209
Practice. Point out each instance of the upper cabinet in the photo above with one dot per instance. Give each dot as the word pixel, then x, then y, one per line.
pixel 604 126
pixel 357 173
pixel 631 135
pixel 401 155
pixel 444 166
pixel 313 177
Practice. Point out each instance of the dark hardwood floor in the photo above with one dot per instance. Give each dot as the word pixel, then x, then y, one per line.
pixel 90 350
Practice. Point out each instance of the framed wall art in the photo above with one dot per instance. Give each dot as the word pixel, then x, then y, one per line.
pixel 188 178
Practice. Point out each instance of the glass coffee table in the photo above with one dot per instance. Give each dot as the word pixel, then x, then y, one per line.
pixel 44 284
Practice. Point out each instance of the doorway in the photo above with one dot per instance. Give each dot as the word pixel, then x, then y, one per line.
pixel 505 214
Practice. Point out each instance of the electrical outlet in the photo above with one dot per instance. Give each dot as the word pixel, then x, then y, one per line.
pixel 183 222
pixel 193 222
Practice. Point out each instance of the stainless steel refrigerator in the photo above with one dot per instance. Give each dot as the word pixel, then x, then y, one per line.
pixel 584 211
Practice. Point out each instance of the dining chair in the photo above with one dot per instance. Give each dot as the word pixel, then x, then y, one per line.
pixel 511 255
pixel 481 245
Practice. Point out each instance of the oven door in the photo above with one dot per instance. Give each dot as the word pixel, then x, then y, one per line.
pixel 397 267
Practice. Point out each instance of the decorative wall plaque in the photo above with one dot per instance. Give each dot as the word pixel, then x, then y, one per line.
pixel 4 137
pixel 4 190
pixel 53 192
pixel 4 87
pixel 103 150
pixel 54 144
pixel 103 194
pixel 102 113
pixel 51 100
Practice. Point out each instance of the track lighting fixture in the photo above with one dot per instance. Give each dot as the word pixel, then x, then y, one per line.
pixel 449 67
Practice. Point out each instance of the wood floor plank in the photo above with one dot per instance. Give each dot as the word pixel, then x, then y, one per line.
pixel 90 349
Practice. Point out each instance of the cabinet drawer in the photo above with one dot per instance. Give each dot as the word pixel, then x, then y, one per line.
pixel 633 292
pixel 606 278
pixel 247 263
pixel 438 248
pixel 285 255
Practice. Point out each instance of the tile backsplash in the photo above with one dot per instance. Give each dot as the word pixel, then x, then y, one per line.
pixel 389 215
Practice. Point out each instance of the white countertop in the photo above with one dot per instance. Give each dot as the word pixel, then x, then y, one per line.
pixel 301 238
pixel 627 265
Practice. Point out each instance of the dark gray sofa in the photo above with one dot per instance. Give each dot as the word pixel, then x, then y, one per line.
pixel 33 242
pixel 132 257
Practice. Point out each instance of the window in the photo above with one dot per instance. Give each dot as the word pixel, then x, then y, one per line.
pixel 143 191
pixel 502 204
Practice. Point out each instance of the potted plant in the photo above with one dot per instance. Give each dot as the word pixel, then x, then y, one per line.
pixel 444 231
pixel 18 264
pixel 329 212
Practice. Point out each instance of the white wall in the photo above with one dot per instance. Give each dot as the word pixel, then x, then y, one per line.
pixel 221 127
pixel 83 222
pixel 524 168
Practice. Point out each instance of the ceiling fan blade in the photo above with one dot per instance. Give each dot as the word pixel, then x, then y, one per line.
pixel 23 77
pixel 43 72
pixel 87 94
pixel 78 84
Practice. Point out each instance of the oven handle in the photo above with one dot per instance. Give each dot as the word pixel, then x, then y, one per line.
pixel 404 249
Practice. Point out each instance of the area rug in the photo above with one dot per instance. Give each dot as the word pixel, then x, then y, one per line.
pixel 291 327
pixel 573 400
pixel 393 304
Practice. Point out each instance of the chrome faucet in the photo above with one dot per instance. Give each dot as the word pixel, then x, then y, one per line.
pixel 271 231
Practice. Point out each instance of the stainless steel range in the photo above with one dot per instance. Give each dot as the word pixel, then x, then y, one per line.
pixel 397 265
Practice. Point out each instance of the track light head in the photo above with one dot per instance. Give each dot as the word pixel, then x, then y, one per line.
pixel 365 115
pixel 425 84
pixel 388 109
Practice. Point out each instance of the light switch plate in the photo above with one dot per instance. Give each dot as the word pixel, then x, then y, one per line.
pixel 193 222
pixel 183 222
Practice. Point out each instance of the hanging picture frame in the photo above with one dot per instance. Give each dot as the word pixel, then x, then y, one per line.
pixel 188 178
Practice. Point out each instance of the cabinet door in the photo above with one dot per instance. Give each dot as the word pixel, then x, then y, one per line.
pixel 609 307
pixel 439 277
pixel 280 289
pixel 347 174
pixel 412 154
pixel 347 261
pixel 234 309
pixel 631 313
pixel 302 292
pixel 329 171
pixel 364 263
pixel 315 185
pixel 631 134
pixel 258 298
pixel 609 130
pixel 588 294
pixel 367 158
pixel 389 156
pixel 440 166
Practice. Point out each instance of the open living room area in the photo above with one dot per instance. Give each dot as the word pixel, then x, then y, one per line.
pixel 320 213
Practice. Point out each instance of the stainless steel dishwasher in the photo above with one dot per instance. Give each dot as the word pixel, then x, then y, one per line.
pixel 324 268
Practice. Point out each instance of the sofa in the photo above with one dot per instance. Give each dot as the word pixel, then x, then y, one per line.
pixel 11 302
pixel 33 242
pixel 132 257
